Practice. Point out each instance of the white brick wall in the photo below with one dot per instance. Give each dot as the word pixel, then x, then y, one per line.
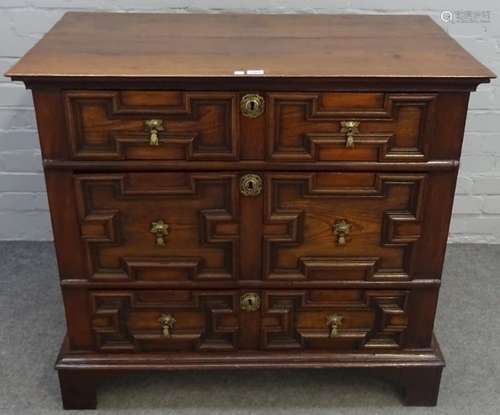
pixel 23 204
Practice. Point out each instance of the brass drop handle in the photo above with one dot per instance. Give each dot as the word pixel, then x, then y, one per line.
pixel 167 322
pixel 341 229
pixel 153 127
pixel 251 185
pixel 350 129
pixel 334 322
pixel 252 105
pixel 160 230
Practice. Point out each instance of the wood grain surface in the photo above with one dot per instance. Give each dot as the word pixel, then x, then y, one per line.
pixel 175 45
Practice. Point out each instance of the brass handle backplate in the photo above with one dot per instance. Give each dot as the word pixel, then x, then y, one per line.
pixel 160 230
pixel 350 129
pixel 250 302
pixel 341 229
pixel 167 322
pixel 251 185
pixel 252 105
pixel 153 127
pixel 334 322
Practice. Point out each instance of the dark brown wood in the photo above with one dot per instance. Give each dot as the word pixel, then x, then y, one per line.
pixel 285 284
pixel 393 363
pixel 90 45
pixel 392 127
pixel 116 213
pixel 96 82
pixel 79 319
pixel 421 386
pixel 205 321
pixel 302 127
pixel 392 218
pixel 155 165
pixel 212 321
pixel 384 212
pixel 65 225
pixel 110 125
pixel 298 320
pixel 78 389
pixel 258 83
pixel 418 377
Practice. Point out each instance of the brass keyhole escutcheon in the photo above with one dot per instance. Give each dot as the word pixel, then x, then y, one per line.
pixel 251 185
pixel 250 302
pixel 252 105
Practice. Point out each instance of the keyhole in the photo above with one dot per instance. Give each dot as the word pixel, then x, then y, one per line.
pixel 252 105
pixel 250 185
pixel 250 302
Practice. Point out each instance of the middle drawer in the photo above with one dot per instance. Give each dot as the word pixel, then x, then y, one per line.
pixel 300 227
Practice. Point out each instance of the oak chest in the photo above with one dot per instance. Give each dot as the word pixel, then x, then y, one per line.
pixel 249 191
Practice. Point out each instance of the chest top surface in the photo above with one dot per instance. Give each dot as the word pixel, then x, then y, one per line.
pixel 161 46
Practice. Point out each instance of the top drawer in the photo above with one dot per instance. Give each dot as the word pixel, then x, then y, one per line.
pixel 288 127
pixel 342 126
pixel 152 125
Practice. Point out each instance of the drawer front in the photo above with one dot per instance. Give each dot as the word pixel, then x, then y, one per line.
pixel 152 125
pixel 343 126
pixel 216 320
pixel 158 226
pixel 314 226
pixel 344 319
pixel 342 226
pixel 165 320
pixel 205 126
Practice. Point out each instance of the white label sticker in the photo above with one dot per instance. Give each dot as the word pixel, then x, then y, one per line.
pixel 239 72
pixel 255 71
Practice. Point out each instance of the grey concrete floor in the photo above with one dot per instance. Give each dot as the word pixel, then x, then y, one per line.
pixel 32 326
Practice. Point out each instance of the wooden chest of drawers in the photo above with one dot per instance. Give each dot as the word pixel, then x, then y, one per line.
pixel 249 191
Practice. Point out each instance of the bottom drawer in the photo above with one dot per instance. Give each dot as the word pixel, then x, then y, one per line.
pixel 165 320
pixel 347 319
pixel 213 320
